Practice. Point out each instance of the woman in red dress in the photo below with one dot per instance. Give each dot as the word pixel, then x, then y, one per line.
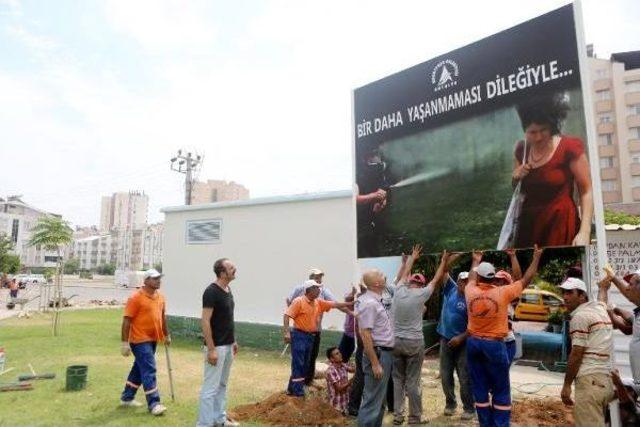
pixel 553 164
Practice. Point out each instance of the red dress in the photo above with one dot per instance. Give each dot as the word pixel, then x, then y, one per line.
pixel 549 216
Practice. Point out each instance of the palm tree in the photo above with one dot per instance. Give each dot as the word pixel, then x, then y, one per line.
pixel 52 233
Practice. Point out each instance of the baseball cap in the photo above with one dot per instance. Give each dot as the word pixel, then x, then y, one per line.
pixel 315 272
pixel 574 283
pixel 418 278
pixel 504 275
pixel 152 273
pixel 463 275
pixel 486 270
pixel 628 277
pixel 308 284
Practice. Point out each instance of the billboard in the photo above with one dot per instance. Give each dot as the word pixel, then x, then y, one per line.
pixel 483 147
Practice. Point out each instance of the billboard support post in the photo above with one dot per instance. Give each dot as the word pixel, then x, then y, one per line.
pixel 592 145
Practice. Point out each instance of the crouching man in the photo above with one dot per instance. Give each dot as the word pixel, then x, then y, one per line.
pixel 338 382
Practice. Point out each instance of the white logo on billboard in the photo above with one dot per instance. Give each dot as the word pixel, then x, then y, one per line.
pixel 444 75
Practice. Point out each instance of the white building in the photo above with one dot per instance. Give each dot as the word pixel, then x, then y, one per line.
pixel 616 90
pixel 16 221
pixel 273 242
pixel 152 245
pixel 94 251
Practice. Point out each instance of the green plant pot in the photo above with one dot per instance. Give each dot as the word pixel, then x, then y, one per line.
pixel 76 377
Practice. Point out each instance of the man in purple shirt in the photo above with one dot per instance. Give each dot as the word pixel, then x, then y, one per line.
pixel 375 326
pixel 348 342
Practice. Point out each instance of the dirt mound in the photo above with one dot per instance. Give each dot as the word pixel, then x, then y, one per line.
pixel 280 409
pixel 538 412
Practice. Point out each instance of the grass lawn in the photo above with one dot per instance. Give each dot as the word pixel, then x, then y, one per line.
pixel 92 337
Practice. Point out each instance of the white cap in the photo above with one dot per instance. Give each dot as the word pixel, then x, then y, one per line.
pixel 309 284
pixel 486 270
pixel 574 283
pixel 463 275
pixel 152 273
pixel 316 272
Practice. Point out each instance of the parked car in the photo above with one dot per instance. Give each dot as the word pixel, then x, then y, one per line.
pixel 535 304
pixel 25 279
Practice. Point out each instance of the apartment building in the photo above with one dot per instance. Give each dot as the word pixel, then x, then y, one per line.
pixel 616 97
pixel 17 218
pixel 217 191
pixel 124 209
pixel 152 245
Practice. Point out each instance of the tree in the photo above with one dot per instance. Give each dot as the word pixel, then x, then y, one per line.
pixel 71 266
pixel 9 263
pixel 52 233
pixel 614 217
pixel 106 269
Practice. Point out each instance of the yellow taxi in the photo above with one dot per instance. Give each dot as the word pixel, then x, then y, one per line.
pixel 535 304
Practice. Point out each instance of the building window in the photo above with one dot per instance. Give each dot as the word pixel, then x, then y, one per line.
pixel 609 185
pixel 606 162
pixel 604 118
pixel 635 181
pixel 635 157
pixel 633 109
pixel 605 139
pixel 15 226
pixel 635 132
pixel 633 86
pixel 603 95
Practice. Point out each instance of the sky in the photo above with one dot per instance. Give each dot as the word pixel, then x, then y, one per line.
pixel 97 96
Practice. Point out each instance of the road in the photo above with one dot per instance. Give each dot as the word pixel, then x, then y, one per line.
pixel 80 292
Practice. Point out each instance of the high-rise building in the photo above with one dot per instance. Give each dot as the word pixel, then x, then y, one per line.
pixel 124 210
pixel 17 218
pixel 616 90
pixel 152 245
pixel 217 191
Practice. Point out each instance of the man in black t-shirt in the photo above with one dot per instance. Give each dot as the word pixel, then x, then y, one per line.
pixel 220 346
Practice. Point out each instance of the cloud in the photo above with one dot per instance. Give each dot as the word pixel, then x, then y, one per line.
pixel 164 26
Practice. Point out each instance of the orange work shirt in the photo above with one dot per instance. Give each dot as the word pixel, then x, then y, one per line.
pixel 306 314
pixel 488 308
pixel 146 313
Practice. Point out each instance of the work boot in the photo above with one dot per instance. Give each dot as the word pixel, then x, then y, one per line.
pixel 158 410
pixel 449 411
pixel 467 415
pixel 130 403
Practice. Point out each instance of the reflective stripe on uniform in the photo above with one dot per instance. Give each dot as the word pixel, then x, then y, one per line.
pixel 153 390
pixel 502 407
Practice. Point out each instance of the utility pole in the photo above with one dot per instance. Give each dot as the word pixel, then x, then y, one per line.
pixel 187 165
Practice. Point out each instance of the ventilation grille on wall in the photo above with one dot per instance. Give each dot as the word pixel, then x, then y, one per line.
pixel 204 231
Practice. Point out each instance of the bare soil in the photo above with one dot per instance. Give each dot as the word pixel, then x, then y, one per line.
pixel 539 412
pixel 283 410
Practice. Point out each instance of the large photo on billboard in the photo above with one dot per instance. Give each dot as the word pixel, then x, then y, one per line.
pixel 483 147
